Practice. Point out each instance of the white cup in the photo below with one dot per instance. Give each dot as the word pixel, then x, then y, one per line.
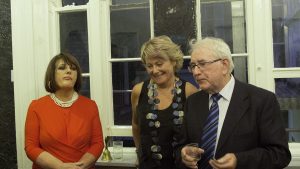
pixel 118 149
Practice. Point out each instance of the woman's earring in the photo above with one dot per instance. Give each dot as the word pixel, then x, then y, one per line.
pixel 49 84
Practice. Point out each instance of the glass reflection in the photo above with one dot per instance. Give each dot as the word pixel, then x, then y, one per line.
pixel 286 33
pixel 130 28
pixel 288 95
pixel 74 37
pixel 225 19
pixel 177 19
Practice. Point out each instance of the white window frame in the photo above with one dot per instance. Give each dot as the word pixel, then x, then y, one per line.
pixel 116 130
pixel 260 45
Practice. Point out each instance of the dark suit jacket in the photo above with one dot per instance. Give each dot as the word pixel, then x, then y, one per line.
pixel 253 129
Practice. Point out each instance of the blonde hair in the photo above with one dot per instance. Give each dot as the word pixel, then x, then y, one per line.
pixel 164 47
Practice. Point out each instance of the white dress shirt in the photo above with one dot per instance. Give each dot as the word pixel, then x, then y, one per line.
pixel 223 103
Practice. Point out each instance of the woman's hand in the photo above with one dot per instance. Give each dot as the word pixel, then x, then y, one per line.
pixel 76 165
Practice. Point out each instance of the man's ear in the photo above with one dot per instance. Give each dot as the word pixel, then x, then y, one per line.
pixel 226 65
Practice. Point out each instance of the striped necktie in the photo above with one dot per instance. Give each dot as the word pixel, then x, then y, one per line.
pixel 209 136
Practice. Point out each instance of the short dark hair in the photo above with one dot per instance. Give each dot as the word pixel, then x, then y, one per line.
pixel 50 83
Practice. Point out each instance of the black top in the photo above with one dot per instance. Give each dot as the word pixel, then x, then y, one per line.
pixel 163 136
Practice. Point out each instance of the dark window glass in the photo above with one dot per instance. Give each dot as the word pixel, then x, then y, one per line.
pixel 122 108
pixel 288 95
pixel 74 37
pixel 85 87
pixel 125 76
pixel 74 2
pixel 176 19
pixel 130 28
pixel 226 20
pixel 286 33
pixel 240 68
pixel 185 74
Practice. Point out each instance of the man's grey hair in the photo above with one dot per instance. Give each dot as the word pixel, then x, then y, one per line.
pixel 216 45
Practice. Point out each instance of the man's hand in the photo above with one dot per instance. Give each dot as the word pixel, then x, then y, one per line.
pixel 189 160
pixel 228 161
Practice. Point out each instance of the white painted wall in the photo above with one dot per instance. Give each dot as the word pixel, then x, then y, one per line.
pixel 30 46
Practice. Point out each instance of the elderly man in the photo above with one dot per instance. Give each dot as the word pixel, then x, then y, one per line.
pixel 235 125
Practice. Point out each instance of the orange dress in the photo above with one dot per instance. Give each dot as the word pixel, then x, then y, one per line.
pixel 66 133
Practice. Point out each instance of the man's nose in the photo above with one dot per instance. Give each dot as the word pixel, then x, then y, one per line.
pixel 197 70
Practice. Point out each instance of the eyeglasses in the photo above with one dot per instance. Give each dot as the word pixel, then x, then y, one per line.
pixel 201 65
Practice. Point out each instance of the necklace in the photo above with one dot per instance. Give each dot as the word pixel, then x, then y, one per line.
pixel 154 124
pixel 66 103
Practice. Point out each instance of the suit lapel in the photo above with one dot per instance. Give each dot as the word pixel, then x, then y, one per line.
pixel 237 107
pixel 204 110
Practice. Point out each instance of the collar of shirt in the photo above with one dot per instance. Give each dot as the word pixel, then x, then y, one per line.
pixel 227 91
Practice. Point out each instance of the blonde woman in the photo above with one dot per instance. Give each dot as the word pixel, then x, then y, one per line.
pixel 157 104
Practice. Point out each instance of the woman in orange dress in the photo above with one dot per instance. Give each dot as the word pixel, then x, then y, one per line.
pixel 63 129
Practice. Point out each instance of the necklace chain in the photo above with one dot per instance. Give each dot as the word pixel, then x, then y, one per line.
pixel 154 124
pixel 66 103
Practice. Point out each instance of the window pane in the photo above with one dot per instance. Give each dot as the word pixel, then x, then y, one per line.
pixel 185 74
pixel 240 68
pixel 225 19
pixel 286 33
pixel 288 93
pixel 176 18
pixel 130 28
pixel 85 87
pixel 126 74
pixel 74 2
pixel 122 108
pixel 74 37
